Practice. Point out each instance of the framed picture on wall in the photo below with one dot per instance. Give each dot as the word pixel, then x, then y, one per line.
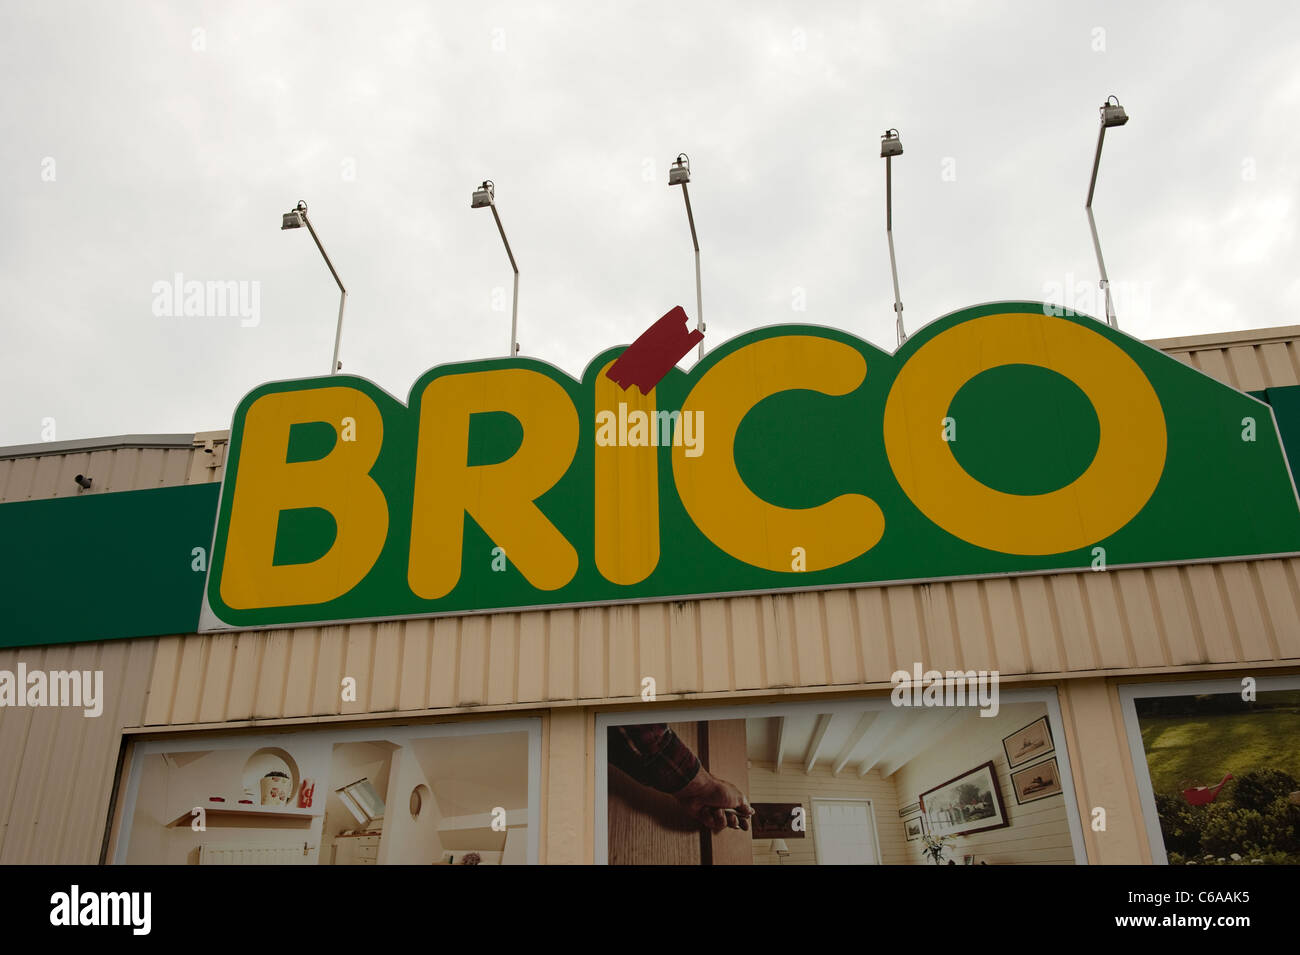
pixel 967 803
pixel 914 828
pixel 1036 782
pixel 775 820
pixel 909 809
pixel 1029 743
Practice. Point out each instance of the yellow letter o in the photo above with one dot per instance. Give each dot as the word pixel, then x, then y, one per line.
pixel 1117 484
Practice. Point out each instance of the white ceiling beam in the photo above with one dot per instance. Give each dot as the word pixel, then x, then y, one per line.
pixel 815 747
pixel 917 724
pixel 932 725
pixel 958 717
pixel 854 739
pixel 876 741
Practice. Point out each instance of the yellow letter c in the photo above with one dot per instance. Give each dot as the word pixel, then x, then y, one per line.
pixel 725 510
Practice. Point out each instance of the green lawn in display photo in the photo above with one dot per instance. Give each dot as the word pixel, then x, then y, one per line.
pixel 1197 741
pixel 1199 750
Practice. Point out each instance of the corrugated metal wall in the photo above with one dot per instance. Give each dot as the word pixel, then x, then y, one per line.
pixel 35 472
pixel 59 764
pixel 1164 618
pixel 1249 361
pixel 54 802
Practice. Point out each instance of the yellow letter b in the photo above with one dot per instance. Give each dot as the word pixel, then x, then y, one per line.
pixel 268 484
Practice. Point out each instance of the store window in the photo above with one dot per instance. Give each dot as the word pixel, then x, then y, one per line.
pixel 327 797
pixel 1218 769
pixel 854 782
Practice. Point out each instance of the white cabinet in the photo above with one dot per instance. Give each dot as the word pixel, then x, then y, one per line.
pixel 356 850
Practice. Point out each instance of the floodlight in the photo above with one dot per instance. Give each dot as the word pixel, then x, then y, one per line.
pixel 679 173
pixel 890 144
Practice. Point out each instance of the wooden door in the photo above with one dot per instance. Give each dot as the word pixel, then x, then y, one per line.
pixel 726 757
pixel 647 827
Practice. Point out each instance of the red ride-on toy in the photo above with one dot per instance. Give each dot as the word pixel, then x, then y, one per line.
pixel 1204 795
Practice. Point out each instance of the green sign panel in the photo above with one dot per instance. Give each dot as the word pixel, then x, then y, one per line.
pixel 999 439
pixel 102 566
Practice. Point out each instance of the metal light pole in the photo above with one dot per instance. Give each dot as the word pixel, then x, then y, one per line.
pixel 1112 114
pixel 485 197
pixel 679 174
pixel 296 218
pixel 891 146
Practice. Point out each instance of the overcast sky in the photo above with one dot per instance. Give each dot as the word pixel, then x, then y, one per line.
pixel 142 140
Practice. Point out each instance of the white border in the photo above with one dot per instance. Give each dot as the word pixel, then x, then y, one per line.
pixel 401 733
pixel 1129 693
pixel 1046 695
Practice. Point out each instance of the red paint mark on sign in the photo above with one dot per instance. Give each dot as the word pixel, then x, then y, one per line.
pixel 645 362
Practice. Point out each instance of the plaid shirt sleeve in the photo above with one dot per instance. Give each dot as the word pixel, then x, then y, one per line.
pixel 653 755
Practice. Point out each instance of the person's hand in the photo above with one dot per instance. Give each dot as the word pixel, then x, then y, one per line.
pixel 715 803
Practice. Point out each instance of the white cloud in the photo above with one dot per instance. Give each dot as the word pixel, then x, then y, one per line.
pixel 176 160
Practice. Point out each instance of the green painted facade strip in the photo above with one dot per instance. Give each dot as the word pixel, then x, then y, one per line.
pixel 103 566
pixel 1286 409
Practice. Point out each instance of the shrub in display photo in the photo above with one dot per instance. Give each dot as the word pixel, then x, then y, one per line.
pixel 1225 773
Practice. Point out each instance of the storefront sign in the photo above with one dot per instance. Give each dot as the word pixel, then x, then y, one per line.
pixel 999 439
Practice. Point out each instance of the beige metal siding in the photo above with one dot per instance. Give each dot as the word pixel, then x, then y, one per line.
pixel 59 764
pixel 1101 765
pixel 1249 361
pixel 1166 618
pixel 46 474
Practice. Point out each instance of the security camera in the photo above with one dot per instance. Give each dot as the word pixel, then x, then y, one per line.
pixel 83 482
